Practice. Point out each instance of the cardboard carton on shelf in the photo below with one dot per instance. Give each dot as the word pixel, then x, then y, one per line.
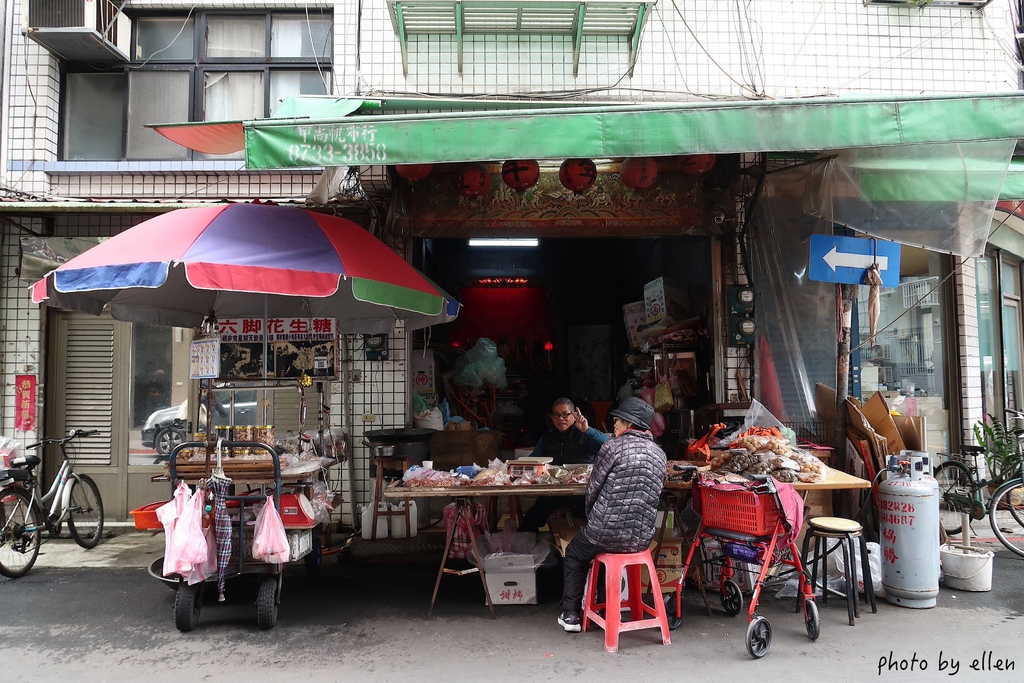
pixel 664 298
pixel 634 317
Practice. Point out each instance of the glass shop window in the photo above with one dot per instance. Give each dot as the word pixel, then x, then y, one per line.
pixel 907 361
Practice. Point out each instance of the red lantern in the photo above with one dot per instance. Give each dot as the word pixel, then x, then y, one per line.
pixel 414 172
pixel 520 174
pixel 473 180
pixel 696 164
pixel 639 173
pixel 578 175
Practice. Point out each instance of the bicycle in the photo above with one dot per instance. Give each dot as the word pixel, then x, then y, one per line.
pixel 961 491
pixel 72 497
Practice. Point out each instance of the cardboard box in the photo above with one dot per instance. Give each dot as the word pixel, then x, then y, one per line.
pixel 634 316
pixel 300 542
pixel 516 586
pixel 876 410
pixel 662 297
pixel 668 563
pixel 563 529
pixel 508 562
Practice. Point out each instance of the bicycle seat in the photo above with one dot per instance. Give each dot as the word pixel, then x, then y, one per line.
pixel 972 450
pixel 26 462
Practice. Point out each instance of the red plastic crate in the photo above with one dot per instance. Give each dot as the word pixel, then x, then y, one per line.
pixel 740 511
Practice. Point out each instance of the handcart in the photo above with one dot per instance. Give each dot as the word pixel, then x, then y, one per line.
pixel 188 599
pixel 750 525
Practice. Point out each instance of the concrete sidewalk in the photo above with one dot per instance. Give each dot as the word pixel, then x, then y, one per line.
pixel 121 546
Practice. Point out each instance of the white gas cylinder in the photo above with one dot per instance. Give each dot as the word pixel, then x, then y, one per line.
pixel 908 520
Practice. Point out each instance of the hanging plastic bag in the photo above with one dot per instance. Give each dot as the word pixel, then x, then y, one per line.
pixel 207 567
pixel 169 512
pixel 270 541
pixel 663 401
pixel 188 546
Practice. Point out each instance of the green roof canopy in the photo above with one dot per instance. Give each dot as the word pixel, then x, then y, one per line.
pixel 612 130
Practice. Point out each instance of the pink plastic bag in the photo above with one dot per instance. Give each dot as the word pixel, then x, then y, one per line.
pixel 207 567
pixel 270 541
pixel 188 546
pixel 168 514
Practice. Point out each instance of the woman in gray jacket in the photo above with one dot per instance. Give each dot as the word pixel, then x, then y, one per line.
pixel 621 501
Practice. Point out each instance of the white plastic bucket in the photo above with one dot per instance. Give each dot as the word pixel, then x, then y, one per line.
pixel 966 569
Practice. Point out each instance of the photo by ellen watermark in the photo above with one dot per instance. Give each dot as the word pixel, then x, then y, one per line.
pixel 944 663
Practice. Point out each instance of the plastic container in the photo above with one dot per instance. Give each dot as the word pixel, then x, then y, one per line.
pixel 145 516
pixel 398 520
pixel 966 569
pixel 382 522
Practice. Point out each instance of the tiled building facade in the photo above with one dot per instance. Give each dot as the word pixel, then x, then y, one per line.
pixel 694 49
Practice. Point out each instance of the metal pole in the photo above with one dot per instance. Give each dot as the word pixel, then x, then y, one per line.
pixel 846 294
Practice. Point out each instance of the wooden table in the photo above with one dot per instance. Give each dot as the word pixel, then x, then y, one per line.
pixel 461 495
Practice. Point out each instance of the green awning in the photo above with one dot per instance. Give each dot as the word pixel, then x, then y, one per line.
pixel 611 130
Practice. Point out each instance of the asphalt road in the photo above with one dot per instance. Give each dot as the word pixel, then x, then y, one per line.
pixel 366 621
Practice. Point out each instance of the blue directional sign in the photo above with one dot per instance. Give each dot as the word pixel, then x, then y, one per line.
pixel 846 259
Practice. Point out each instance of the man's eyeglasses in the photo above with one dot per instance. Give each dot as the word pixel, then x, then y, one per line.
pixel 564 416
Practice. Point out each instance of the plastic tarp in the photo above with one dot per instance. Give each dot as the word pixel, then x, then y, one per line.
pixel 795 316
pixel 938 196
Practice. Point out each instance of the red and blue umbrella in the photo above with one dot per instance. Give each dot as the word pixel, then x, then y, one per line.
pixel 248 260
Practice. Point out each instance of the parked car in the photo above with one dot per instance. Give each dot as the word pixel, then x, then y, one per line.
pixel 166 428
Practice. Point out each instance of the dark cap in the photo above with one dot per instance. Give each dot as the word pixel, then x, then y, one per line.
pixel 635 411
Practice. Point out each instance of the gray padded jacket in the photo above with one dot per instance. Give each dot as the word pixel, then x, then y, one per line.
pixel 623 493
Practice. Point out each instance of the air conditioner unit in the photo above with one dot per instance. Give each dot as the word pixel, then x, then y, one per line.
pixel 80 30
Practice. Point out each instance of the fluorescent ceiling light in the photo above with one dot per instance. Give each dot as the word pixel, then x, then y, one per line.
pixel 500 242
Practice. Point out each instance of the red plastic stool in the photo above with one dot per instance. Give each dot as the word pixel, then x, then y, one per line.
pixel 641 616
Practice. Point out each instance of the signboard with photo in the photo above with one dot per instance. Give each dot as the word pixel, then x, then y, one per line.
pixel 294 346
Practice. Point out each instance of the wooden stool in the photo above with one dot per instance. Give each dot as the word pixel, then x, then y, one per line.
pixel 393 462
pixel 821 529
pixel 615 564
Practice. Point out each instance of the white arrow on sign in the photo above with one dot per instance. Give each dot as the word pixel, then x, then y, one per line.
pixel 840 259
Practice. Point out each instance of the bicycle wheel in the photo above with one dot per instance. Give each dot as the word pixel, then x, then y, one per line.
pixel 85 511
pixel 954 495
pixel 19 533
pixel 1006 514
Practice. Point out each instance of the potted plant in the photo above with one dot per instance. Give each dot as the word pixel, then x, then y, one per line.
pixel 1002 450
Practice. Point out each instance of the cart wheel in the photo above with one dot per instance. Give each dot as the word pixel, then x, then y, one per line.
pixel 314 559
pixel 266 602
pixel 759 637
pixel 811 619
pixel 188 600
pixel 674 622
pixel 732 598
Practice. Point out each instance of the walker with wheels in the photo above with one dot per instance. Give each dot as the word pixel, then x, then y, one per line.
pixel 749 522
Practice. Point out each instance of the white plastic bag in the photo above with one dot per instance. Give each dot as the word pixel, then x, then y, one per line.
pixel 874 564
pixel 270 541
pixel 431 419
pixel 187 547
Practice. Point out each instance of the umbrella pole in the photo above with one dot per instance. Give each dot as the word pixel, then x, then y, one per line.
pixel 347 411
